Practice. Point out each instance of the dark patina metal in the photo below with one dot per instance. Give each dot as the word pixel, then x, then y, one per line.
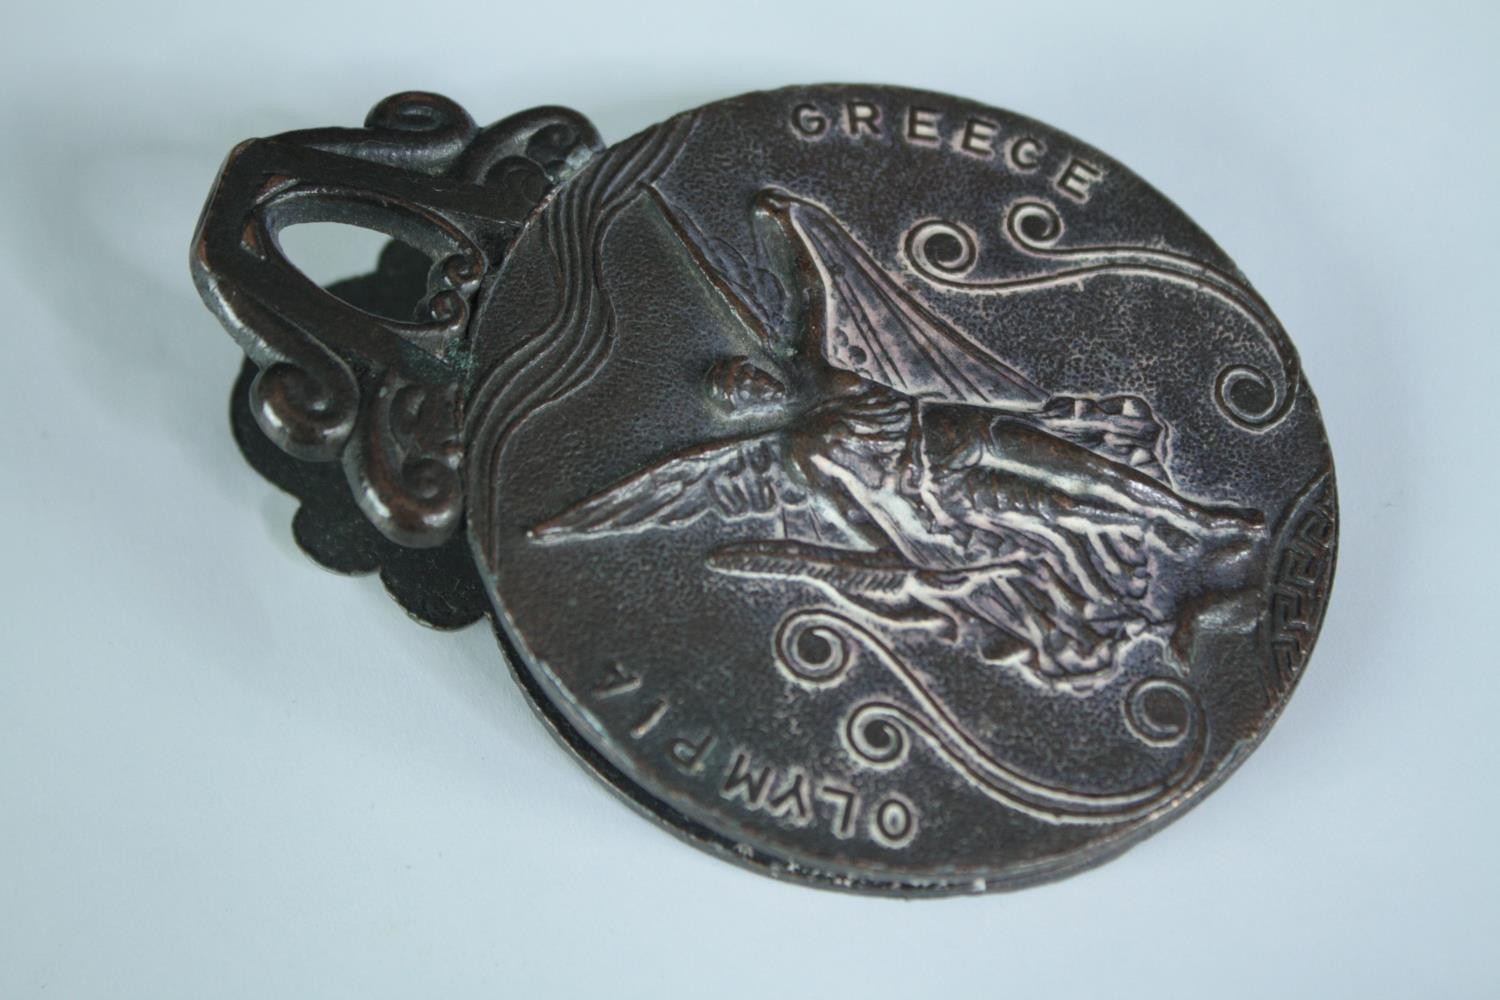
pixel 881 490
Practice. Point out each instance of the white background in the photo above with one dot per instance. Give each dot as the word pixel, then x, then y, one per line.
pixel 227 773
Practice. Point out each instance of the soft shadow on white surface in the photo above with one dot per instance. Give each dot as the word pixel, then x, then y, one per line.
pixel 225 772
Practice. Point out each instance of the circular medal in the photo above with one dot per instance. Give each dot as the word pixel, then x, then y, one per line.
pixel 878 489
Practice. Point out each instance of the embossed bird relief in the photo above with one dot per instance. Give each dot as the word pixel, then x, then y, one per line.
pixel 876 489
pixel 923 482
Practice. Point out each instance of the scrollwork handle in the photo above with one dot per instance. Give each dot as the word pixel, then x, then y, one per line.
pixel 382 396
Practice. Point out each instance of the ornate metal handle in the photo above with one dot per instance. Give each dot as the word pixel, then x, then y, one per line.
pixel 383 396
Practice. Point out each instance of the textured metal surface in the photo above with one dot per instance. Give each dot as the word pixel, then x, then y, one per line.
pixel 879 489
pixel 437 585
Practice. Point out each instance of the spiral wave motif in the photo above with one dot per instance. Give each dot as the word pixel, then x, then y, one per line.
pixel 942 247
pixel 876 733
pixel 1250 397
pixel 816 646
pixel 1160 711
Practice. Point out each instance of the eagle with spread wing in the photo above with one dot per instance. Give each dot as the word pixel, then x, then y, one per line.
pixel 918 477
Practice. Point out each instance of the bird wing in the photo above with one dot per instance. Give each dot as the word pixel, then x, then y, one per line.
pixel 752 290
pixel 741 478
pixel 878 330
pixel 848 570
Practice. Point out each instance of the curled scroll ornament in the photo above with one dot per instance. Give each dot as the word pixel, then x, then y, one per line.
pixel 819 648
pixel 337 382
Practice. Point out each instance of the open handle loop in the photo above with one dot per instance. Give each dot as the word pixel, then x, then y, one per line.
pixel 336 382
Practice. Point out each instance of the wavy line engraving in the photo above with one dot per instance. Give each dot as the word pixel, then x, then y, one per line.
pixel 818 648
pixel 1249 396
pixel 568 349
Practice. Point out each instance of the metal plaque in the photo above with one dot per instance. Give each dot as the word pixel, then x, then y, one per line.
pixel 878 489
